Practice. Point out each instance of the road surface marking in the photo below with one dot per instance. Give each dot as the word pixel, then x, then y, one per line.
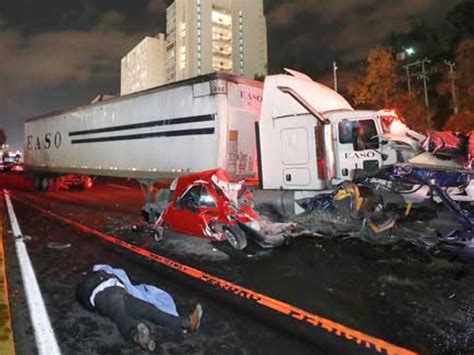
pixel 7 344
pixel 119 186
pixel 44 334
pixel 327 325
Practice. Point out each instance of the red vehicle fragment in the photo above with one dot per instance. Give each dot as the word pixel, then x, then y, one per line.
pixel 453 145
pixel 207 204
pixel 17 168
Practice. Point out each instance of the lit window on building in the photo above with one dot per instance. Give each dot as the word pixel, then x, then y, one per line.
pixel 221 34
pixel 221 64
pixel 222 48
pixel 221 17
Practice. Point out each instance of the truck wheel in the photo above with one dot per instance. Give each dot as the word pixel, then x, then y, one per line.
pixel 44 184
pixel 236 237
pixel 52 184
pixel 37 183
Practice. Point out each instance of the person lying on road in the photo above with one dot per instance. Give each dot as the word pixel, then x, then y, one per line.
pixel 109 292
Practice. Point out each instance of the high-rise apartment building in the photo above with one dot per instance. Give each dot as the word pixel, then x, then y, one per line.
pixel 143 67
pixel 203 36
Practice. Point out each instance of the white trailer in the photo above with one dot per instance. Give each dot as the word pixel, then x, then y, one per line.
pixel 193 125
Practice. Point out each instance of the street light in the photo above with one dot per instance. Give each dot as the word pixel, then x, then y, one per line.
pixel 410 51
pixel 406 52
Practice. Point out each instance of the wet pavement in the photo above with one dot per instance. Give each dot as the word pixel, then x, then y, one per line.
pixel 402 293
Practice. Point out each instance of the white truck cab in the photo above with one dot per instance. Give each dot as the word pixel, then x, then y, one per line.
pixel 310 137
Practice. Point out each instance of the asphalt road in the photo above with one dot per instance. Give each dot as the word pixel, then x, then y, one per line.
pixel 412 298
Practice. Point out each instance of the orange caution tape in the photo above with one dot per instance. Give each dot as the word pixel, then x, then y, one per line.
pixel 332 327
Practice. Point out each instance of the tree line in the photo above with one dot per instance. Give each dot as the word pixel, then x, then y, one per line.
pixel 390 78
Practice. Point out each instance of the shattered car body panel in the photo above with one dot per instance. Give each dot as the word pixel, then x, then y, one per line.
pixel 458 183
pixel 451 145
pixel 441 183
pixel 442 177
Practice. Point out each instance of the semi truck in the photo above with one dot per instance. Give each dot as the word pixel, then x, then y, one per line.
pixel 294 136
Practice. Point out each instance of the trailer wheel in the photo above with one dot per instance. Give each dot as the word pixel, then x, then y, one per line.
pixel 52 184
pixel 37 183
pixel 44 184
pixel 236 237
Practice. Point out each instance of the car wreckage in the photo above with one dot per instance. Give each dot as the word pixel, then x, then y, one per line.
pixel 207 204
pixel 439 176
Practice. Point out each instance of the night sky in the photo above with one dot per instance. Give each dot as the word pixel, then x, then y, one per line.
pixel 61 53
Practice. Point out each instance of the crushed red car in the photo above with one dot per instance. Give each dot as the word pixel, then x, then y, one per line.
pixel 207 204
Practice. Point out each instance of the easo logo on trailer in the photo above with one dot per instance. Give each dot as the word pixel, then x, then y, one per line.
pixel 49 140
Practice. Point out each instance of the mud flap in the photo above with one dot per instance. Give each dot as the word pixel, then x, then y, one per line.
pixel 263 240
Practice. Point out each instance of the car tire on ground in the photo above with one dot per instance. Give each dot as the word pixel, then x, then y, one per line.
pixel 236 237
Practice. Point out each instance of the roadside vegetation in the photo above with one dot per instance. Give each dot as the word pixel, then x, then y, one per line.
pixel 449 47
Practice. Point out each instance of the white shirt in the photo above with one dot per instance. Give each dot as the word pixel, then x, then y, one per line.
pixel 102 286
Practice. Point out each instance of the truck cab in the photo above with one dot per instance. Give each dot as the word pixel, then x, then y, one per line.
pixel 311 139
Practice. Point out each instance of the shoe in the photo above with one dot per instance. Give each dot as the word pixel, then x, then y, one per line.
pixel 195 318
pixel 143 338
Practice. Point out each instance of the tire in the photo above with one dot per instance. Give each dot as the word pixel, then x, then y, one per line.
pixel 236 237
pixel 158 235
pixel 37 183
pixel 44 184
pixel 53 186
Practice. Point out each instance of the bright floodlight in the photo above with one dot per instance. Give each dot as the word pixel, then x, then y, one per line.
pixel 410 51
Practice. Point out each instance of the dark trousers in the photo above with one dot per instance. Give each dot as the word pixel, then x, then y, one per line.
pixel 127 311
